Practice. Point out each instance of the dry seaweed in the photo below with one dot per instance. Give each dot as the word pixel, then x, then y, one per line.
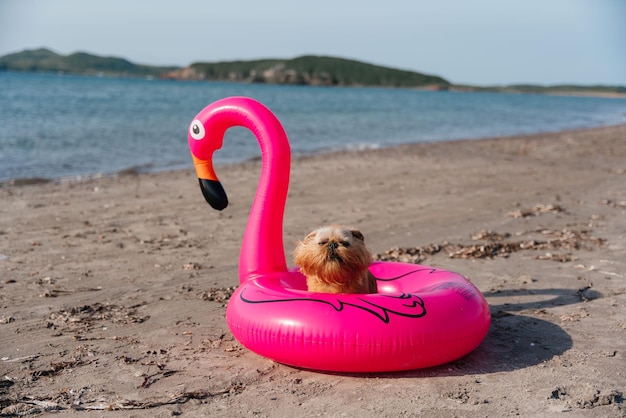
pixel 83 318
pixel 217 294
pixel 536 211
pixel 497 246
pixel 71 399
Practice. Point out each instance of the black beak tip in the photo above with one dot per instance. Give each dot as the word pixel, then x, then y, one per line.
pixel 214 194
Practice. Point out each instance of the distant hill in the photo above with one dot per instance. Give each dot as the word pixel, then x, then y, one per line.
pixel 559 89
pixel 305 70
pixel 309 70
pixel 44 60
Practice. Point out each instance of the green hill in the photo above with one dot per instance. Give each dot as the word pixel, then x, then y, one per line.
pixel 305 70
pixel 557 89
pixel 314 70
pixel 44 60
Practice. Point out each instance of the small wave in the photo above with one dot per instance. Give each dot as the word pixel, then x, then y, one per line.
pixel 362 147
pixel 136 169
pixel 329 150
pixel 25 181
pixel 355 147
pixel 33 181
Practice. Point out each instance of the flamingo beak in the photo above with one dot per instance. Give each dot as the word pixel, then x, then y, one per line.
pixel 212 189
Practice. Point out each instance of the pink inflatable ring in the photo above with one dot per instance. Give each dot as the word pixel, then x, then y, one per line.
pixel 420 317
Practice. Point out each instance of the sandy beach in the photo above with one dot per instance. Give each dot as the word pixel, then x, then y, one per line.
pixel 113 290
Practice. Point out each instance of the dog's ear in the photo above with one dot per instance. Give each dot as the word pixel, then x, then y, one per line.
pixel 357 234
pixel 310 236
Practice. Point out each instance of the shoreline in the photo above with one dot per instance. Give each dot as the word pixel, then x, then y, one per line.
pixel 609 91
pixel 138 171
pixel 113 291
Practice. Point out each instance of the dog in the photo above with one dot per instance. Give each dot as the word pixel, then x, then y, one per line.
pixel 334 259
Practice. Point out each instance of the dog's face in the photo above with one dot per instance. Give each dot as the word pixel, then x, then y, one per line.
pixel 333 254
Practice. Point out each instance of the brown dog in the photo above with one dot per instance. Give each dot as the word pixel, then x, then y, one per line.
pixel 334 259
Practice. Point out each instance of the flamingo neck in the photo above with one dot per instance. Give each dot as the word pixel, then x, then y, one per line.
pixel 262 250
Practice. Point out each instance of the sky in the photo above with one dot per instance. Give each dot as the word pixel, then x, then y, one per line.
pixel 476 42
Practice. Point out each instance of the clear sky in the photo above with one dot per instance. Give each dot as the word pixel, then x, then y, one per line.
pixel 483 42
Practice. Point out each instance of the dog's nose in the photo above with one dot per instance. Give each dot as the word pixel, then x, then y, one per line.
pixel 332 251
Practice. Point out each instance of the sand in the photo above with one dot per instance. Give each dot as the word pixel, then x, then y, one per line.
pixel 113 290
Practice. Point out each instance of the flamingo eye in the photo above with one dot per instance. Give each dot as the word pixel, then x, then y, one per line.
pixel 196 130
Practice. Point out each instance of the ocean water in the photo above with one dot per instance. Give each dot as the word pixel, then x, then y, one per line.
pixel 56 126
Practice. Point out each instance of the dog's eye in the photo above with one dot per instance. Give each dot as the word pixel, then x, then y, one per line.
pixel 345 243
pixel 324 242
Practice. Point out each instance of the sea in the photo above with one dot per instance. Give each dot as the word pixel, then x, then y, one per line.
pixel 57 126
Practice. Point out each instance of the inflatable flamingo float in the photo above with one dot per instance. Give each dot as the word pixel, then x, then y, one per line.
pixel 420 317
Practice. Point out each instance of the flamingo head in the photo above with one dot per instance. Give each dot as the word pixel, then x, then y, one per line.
pixel 202 146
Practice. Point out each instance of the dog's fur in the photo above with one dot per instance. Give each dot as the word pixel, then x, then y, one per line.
pixel 334 259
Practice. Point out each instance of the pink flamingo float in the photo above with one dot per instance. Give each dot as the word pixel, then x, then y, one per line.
pixel 420 317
